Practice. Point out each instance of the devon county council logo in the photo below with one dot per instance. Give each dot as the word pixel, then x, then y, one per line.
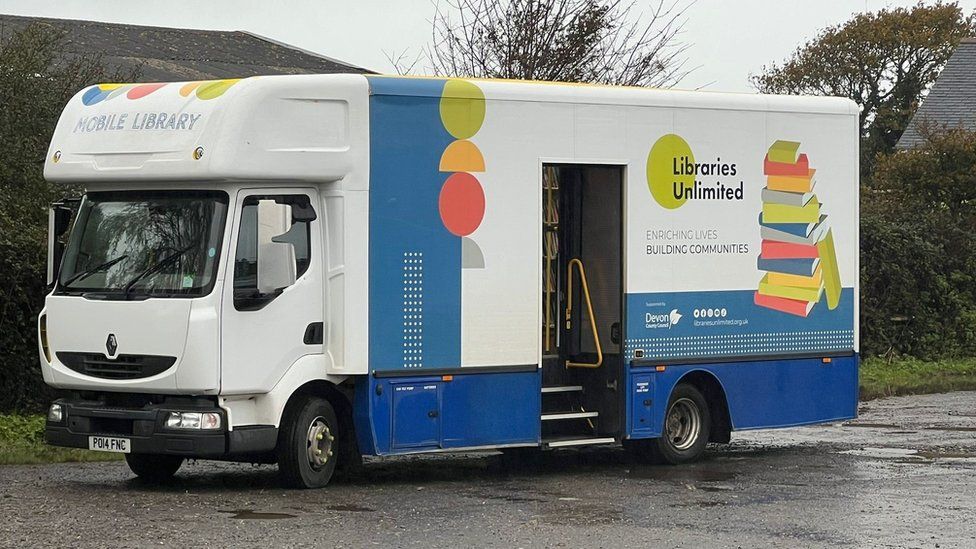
pixel 674 316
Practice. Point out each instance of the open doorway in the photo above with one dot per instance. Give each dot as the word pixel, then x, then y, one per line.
pixel 582 305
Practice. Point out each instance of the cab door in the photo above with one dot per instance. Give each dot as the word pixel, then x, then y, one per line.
pixel 272 304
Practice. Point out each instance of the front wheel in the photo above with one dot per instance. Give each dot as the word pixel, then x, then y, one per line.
pixel 308 444
pixel 153 468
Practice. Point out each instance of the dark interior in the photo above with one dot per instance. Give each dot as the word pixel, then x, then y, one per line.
pixel 582 207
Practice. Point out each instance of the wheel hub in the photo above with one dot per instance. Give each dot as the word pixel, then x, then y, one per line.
pixel 683 424
pixel 320 442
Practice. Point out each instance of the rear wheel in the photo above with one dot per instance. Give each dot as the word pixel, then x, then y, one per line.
pixel 308 444
pixel 687 424
pixel 154 468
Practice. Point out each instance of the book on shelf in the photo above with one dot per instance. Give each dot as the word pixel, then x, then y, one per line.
pixel 798 229
pixel 784 152
pixel 781 213
pixel 796 307
pixel 789 292
pixel 784 279
pixel 788 198
pixel 803 267
pixel 832 284
pixel 793 183
pixel 777 249
pixel 799 168
pixel 769 233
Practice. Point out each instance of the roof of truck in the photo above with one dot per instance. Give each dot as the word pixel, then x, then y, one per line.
pixel 582 92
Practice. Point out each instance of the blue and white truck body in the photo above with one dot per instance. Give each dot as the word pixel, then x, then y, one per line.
pixel 309 268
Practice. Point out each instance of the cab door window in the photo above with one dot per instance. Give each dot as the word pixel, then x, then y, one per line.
pixel 273 247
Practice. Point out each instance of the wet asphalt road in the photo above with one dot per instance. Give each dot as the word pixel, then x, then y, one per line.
pixel 902 475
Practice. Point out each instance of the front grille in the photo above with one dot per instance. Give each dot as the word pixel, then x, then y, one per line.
pixel 123 367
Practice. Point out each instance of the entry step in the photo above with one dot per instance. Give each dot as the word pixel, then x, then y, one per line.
pixel 569 442
pixel 568 415
pixel 563 389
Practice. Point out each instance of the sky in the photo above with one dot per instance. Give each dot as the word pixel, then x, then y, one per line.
pixel 727 39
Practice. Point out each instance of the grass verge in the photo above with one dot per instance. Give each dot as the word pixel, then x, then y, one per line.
pixel 22 442
pixel 879 378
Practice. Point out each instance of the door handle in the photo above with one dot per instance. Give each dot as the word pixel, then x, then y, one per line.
pixel 314 333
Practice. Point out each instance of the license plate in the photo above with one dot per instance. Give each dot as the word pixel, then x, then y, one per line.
pixel 109 444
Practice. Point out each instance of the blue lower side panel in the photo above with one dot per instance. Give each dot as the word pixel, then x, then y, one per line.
pixel 760 394
pixel 423 413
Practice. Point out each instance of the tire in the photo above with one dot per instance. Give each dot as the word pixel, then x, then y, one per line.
pixel 154 468
pixel 687 424
pixel 308 444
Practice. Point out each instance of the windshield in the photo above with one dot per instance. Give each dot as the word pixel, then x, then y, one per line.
pixel 161 243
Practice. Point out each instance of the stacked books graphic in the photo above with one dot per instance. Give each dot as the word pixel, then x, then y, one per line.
pixel 797 252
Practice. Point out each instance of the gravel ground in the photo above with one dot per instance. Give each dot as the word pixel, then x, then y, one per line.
pixel 902 475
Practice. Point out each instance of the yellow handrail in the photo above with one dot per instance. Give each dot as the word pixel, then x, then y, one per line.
pixel 589 308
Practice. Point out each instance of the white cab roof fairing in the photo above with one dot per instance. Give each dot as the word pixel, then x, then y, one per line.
pixel 308 128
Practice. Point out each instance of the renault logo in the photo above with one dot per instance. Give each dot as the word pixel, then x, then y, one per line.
pixel 111 345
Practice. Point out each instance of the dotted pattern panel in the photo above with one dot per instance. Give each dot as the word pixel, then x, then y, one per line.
pixel 740 344
pixel 413 310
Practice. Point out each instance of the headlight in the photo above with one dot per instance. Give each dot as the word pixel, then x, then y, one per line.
pixel 55 414
pixel 193 420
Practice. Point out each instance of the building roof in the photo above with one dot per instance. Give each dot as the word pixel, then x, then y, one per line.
pixel 168 54
pixel 951 103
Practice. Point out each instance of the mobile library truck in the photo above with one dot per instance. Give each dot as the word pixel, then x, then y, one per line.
pixel 306 269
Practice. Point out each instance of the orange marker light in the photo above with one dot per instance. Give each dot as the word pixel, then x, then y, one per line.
pixel 661 368
pixel 447 378
pixel 826 360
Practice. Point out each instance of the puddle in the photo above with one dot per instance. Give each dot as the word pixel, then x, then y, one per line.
pixel 349 508
pixel 886 453
pixel 703 504
pixel 578 514
pixel 257 515
pixel 510 496
pixel 682 474
pixel 710 503
pixel 947 455
pixel 908 455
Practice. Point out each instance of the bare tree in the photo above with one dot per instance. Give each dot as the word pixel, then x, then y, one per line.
pixel 603 41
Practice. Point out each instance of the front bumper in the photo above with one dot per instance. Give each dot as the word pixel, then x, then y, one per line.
pixel 146 431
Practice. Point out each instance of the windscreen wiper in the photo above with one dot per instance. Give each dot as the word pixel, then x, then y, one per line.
pixel 93 270
pixel 156 268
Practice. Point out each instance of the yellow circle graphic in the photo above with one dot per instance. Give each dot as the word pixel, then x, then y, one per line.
pixel 666 164
pixel 462 108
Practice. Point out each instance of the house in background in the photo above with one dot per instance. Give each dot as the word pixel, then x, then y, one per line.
pixel 951 103
pixel 167 54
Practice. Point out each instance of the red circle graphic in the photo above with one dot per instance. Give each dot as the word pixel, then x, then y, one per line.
pixel 462 204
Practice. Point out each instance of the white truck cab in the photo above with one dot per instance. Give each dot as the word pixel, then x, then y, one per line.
pixel 204 280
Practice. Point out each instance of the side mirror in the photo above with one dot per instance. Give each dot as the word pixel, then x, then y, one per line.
pixel 58 222
pixel 276 255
